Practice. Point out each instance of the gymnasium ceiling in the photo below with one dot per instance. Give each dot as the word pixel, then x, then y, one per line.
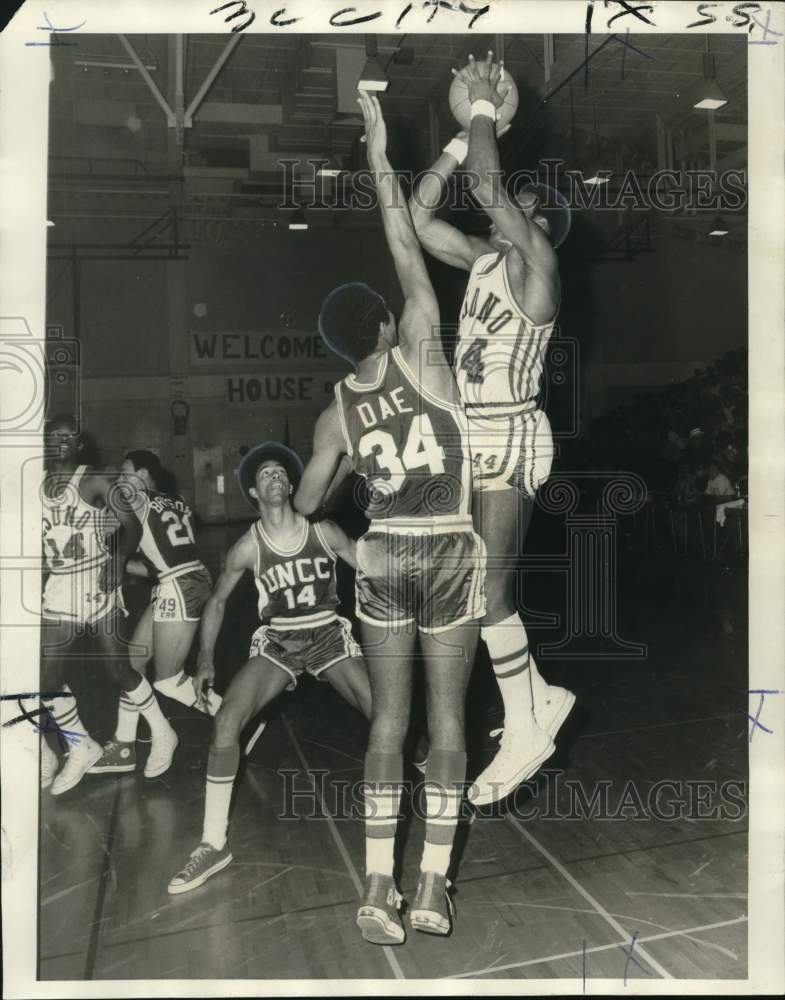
pixel 113 156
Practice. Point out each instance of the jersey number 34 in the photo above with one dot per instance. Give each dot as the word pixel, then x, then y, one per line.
pixel 420 450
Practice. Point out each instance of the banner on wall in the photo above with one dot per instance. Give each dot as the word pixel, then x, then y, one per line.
pixel 238 349
pixel 242 390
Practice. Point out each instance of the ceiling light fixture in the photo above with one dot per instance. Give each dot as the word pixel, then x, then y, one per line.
pixel 710 94
pixel 297 220
pixel 373 76
pixel 718 227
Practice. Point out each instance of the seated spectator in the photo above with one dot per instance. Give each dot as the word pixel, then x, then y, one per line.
pixel 686 491
pixel 719 487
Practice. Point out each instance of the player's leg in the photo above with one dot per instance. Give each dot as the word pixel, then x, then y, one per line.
pixel 138 691
pixel 140 652
pixel 57 638
pixel 253 687
pixel 349 677
pixel 388 655
pixel 449 657
pixel 174 635
pixel 533 710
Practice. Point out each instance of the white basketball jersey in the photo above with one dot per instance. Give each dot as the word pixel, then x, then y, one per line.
pixel 74 532
pixel 500 352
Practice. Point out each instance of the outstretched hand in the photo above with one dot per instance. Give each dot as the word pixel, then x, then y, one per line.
pixel 486 81
pixel 375 129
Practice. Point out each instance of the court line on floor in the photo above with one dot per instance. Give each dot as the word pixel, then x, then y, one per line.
pixel 621 916
pixel 600 947
pixel 100 899
pixel 659 969
pixel 339 843
pixel 662 725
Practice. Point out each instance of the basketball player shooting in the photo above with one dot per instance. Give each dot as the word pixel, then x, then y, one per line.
pixel 508 313
pixel 420 567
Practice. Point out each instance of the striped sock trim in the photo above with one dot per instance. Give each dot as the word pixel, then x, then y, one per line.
pixel 500 675
pixel 509 657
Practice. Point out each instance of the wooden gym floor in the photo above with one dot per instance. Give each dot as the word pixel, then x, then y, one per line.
pixel 627 895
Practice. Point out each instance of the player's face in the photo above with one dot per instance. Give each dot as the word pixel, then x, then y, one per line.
pixel 272 484
pixel 390 330
pixel 62 442
pixel 130 475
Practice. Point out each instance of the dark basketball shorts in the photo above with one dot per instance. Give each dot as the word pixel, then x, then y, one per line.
pixel 433 577
pixel 181 598
pixel 512 452
pixel 305 650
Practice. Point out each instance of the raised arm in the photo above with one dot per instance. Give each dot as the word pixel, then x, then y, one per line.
pixel 325 469
pixel 444 241
pixel 511 220
pixel 420 316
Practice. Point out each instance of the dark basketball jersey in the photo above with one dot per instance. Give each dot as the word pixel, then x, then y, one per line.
pixel 167 536
pixel 411 447
pixel 74 532
pixel 297 588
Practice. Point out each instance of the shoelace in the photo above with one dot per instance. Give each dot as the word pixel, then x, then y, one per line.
pixel 376 885
pixel 194 860
pixel 429 889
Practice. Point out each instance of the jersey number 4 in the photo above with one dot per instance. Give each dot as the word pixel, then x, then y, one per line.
pixel 179 531
pixel 420 450
pixel 472 362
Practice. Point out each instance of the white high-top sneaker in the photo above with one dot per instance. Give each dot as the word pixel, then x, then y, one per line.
pixel 49 764
pixel 519 757
pixel 161 753
pixel 82 754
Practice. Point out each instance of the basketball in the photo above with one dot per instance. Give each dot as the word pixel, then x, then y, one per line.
pixel 461 106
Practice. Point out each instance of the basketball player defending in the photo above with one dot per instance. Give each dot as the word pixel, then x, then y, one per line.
pixel 86 552
pixel 293 564
pixel 420 567
pixel 507 317
pixel 167 627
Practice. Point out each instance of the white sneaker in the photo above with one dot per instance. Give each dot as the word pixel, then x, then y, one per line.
pixel 49 764
pixel 518 758
pixel 552 710
pixel 81 757
pixel 161 753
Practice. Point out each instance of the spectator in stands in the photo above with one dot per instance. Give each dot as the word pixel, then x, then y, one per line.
pixel 719 487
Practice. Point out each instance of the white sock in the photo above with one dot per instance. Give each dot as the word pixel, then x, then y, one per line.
pixel 180 688
pixel 222 764
pixel 66 716
pixel 443 794
pixel 508 646
pixel 382 802
pixel 127 720
pixel 539 684
pixel 143 697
